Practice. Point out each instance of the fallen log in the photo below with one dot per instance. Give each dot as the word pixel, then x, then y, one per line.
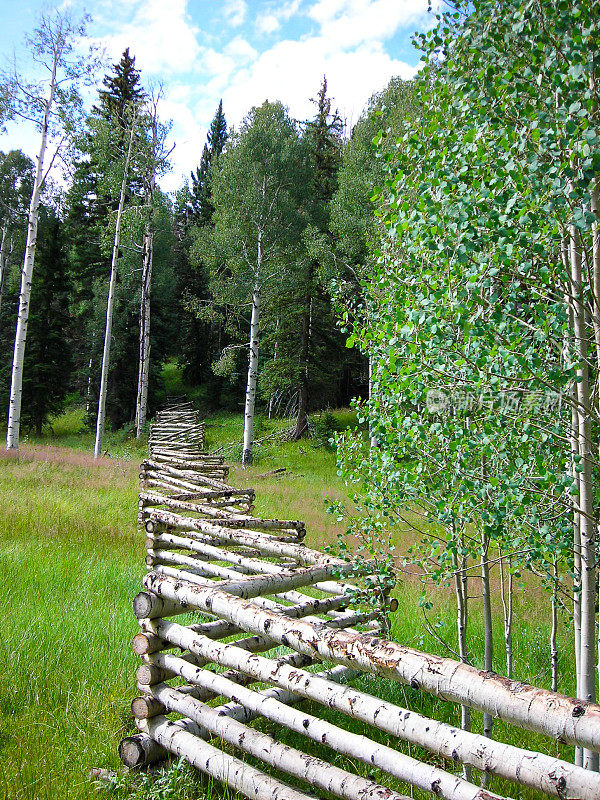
pixel 551 775
pixel 566 719
pixel 395 763
pixel 311 770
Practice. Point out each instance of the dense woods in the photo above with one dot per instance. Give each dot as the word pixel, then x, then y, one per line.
pixel 437 266
pixel 238 269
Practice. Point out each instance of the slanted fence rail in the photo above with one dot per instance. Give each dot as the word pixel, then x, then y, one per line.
pixel 268 611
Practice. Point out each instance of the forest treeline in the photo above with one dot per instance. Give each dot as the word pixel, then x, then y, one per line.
pixel 239 269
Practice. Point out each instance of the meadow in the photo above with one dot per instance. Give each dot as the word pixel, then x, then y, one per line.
pixel 72 560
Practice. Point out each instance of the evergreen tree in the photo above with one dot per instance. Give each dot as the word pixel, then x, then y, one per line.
pixel 202 334
pixel 89 207
pixel 48 357
pixel 122 92
pixel 314 318
pixel 201 206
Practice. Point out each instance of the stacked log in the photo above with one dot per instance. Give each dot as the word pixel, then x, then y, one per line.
pixel 267 610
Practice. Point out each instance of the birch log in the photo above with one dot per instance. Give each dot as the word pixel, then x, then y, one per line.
pixel 403 767
pixel 312 770
pixel 564 718
pixel 225 768
pixel 551 775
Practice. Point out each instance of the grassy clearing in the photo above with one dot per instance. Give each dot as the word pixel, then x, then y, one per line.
pixel 72 562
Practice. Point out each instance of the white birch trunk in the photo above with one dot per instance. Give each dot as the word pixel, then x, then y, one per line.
pixel 588 660
pixel 461 589
pixel 554 630
pixel 520 704
pixel 4 256
pixel 252 372
pixel 16 386
pixel 100 422
pixel 315 771
pixel 550 775
pixel 144 358
pixel 488 652
pixel 229 770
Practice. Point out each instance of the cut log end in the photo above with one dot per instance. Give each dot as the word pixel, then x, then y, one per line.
pixel 146 707
pixel 140 750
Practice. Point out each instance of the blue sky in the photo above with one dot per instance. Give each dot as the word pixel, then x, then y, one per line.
pixel 244 51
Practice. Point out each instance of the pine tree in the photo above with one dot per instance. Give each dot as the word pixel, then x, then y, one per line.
pixel 48 357
pixel 201 206
pixel 122 92
pixel 314 318
pixel 202 338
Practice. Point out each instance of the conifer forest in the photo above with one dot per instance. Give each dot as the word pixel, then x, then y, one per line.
pixel 359 362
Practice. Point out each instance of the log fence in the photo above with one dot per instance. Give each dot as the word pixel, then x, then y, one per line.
pixel 259 608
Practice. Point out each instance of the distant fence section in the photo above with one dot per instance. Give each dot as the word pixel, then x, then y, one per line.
pixel 240 620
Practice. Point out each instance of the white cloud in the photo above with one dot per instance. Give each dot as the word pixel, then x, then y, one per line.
pixel 269 20
pixel 160 35
pixel 348 23
pixel 292 71
pixel 235 12
pixel 267 23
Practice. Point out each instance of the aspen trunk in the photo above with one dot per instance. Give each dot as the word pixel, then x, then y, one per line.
pixel 507 595
pixel 4 256
pixel 550 775
pixel 461 590
pixel 144 358
pixel 488 653
pixel 588 659
pixel 16 385
pixel 316 771
pixel 521 704
pixel 110 303
pixel 554 630
pixel 252 371
pixel 229 770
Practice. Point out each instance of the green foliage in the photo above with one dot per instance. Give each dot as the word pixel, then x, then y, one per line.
pixel 466 320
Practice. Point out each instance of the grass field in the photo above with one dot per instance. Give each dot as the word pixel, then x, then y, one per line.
pixel 72 561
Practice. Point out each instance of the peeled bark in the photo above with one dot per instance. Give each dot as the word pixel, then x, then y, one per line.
pixel 100 422
pixel 551 775
pixel 144 357
pixel 529 707
pixel 252 371
pixel 588 655
pixel 16 385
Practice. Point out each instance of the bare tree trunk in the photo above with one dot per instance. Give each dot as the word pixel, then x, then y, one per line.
pixel 88 392
pixel 506 592
pixel 488 653
pixel 461 588
pixel 252 370
pixel 5 252
pixel 110 303
pixel 144 362
pixel 554 630
pixel 16 386
pixel 587 688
